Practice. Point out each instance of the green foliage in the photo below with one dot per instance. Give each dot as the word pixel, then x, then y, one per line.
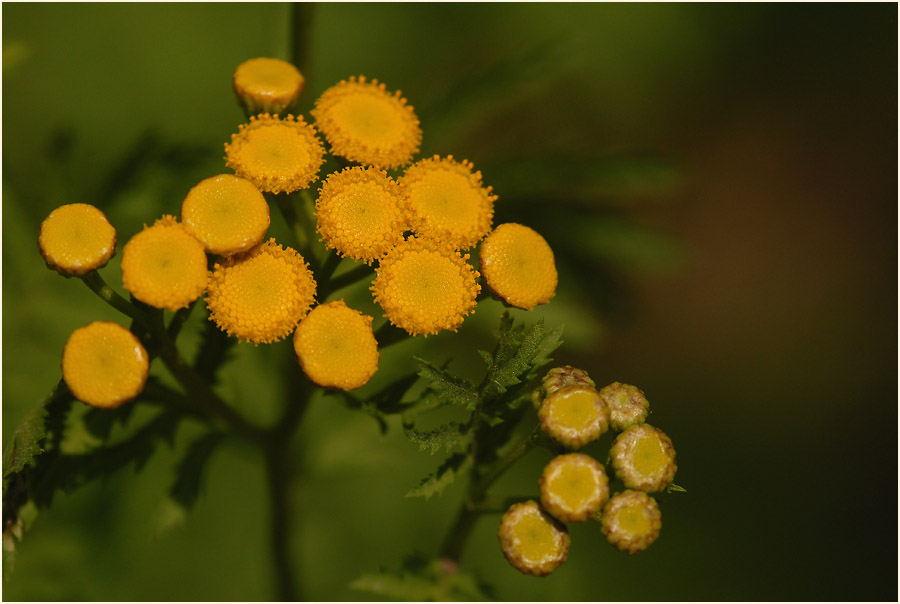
pixel 443 477
pixel 449 388
pixel 424 580
pixel 190 471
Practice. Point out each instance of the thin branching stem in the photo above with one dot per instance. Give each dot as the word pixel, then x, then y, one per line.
pixel 94 281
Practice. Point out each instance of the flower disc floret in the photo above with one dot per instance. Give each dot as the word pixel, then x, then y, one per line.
pixel 164 265
pixel 365 123
pixel 447 202
pixel 631 521
pixel 336 347
pixel 574 416
pixel 518 266
pixel 425 288
pixel 532 541
pixel 265 85
pixel 278 155
pixel 76 239
pixel 359 214
pixel 628 406
pixel 260 296
pixel 226 213
pixel 574 487
pixel 557 378
pixel 104 364
pixel 643 458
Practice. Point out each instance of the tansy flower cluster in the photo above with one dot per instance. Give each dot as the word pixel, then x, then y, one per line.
pixel 574 487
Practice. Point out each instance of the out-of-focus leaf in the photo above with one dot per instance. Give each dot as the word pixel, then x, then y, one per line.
pixel 190 471
pixel 434 484
pixel 27 441
pixel 424 580
pixel 448 436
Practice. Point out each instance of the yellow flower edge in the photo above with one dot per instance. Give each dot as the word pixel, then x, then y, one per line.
pixel 164 265
pixel 631 521
pixel 518 266
pixel 266 85
pixel 336 347
pixel 574 487
pixel 359 214
pixel 365 123
pixel 574 416
pixel 261 295
pixel 76 238
pixel 447 202
pixel 643 458
pixel 104 364
pixel 278 155
pixel 226 213
pixel 628 406
pixel 532 541
pixel 557 378
pixel 425 288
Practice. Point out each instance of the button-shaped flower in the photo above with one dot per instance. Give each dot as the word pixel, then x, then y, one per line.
pixel 104 364
pixel 164 265
pixel 359 214
pixel 226 213
pixel 574 416
pixel 425 288
pixel 277 155
pixel 336 347
pixel 76 239
pixel 260 296
pixel 447 202
pixel 574 487
pixel 365 123
pixel 518 266
pixel 627 405
pixel 265 85
pixel 631 521
pixel 643 457
pixel 532 541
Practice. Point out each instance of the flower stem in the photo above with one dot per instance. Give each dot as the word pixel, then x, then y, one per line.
pixel 94 281
pixel 350 277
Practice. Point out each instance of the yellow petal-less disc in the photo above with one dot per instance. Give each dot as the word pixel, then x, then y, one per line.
pixel 336 347
pixel 265 85
pixel 76 239
pixel 574 487
pixel 631 521
pixel 104 364
pixel 164 265
pixel 531 540
pixel 518 266
pixel 226 213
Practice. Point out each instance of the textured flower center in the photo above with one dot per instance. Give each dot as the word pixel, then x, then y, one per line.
pixel 536 538
pixel 226 213
pixel 649 456
pixel 447 198
pixel 371 119
pixel 275 149
pixel 432 284
pixel 574 484
pixel 77 238
pixel 575 410
pixel 633 519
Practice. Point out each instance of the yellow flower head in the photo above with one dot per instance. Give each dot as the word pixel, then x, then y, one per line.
pixel 574 487
pixel 532 541
pixel 76 239
pixel 227 214
pixel 336 347
pixel 277 155
pixel 643 457
pixel 574 415
pixel 260 296
pixel 447 202
pixel 359 213
pixel 164 265
pixel 366 124
pixel 104 364
pixel 266 85
pixel 424 288
pixel 518 266
pixel 631 521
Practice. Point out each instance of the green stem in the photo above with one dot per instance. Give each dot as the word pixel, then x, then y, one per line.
pixel 327 268
pixel 94 281
pixel 276 479
pixel 343 280
pixel 178 321
pixel 388 334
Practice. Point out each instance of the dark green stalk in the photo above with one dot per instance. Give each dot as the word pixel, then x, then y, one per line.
pixel 94 281
pixel 352 276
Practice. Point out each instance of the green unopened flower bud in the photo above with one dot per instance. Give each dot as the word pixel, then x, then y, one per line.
pixel 631 521
pixel 560 377
pixel 574 416
pixel 533 541
pixel 643 457
pixel 627 405
pixel 574 487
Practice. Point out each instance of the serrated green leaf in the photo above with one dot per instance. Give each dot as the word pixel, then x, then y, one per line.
pixel 487 357
pixel 190 471
pixel 434 484
pixel 424 580
pixel 446 437
pixel 519 354
pixel 450 388
pixel 27 440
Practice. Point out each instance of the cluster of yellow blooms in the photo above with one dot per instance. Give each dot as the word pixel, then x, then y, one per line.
pixel 414 228
pixel 574 487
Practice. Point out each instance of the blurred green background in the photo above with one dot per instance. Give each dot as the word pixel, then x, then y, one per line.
pixel 719 182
